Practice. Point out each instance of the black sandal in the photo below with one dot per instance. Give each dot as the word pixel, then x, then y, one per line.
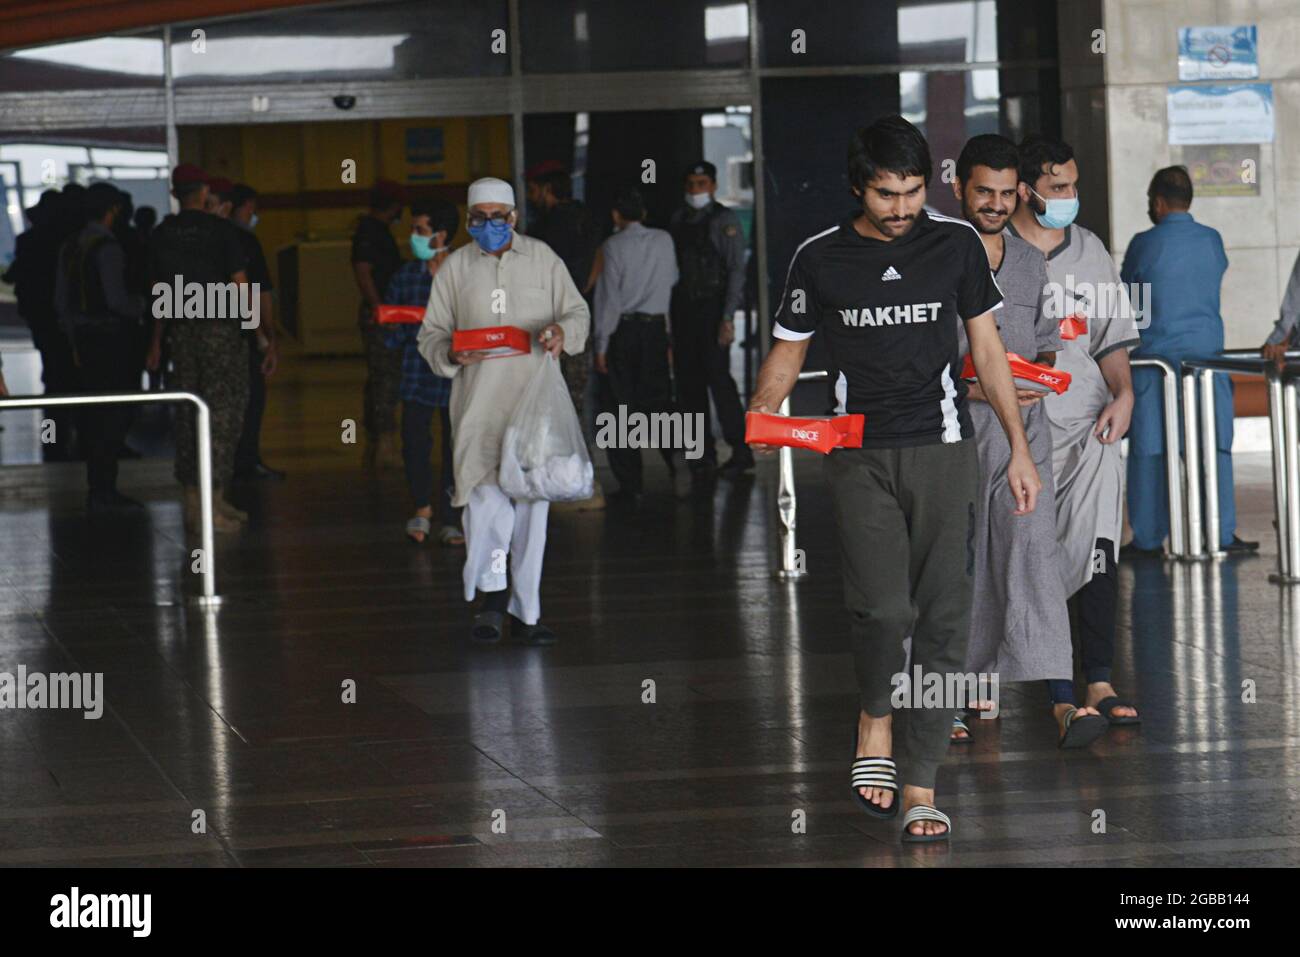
pixel 537 634
pixel 487 627
pixel 1107 705
pixel 1081 729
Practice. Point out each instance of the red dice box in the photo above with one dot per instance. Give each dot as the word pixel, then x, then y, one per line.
pixel 1028 375
pixel 818 434
pixel 1072 327
pixel 497 341
pixel 406 315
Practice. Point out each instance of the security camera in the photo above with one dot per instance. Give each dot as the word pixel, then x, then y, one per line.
pixel 345 102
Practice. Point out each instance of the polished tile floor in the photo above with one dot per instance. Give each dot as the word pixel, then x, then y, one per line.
pixel 455 755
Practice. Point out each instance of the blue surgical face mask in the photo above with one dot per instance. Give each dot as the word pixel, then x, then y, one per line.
pixel 1058 214
pixel 252 221
pixel 492 235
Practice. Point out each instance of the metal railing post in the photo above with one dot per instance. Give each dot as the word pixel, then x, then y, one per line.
pixel 1210 463
pixel 1192 453
pixel 209 597
pixel 1173 473
pixel 787 502
pixel 786 508
pixel 1277 436
pixel 1291 436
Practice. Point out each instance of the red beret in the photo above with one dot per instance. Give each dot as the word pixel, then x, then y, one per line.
pixel 220 185
pixel 188 173
pixel 543 168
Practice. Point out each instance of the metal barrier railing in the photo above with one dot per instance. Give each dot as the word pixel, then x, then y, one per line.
pixel 1179 532
pixel 1284 435
pixel 209 597
pixel 787 504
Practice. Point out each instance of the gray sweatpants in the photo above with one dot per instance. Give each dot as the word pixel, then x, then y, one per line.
pixel 907 523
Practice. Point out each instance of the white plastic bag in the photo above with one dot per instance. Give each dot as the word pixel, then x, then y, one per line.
pixel 543 455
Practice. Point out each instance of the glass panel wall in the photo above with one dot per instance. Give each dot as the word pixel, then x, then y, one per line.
pixel 577 36
pixel 127 62
pixel 381 41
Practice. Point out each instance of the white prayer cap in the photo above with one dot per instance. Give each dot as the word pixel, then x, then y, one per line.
pixel 489 189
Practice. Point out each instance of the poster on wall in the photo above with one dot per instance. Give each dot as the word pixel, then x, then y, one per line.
pixel 1218 53
pixel 425 154
pixel 1225 170
pixel 1241 113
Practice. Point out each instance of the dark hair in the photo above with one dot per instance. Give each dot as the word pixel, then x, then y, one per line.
pixel 99 199
pixel 630 205
pixel 988 149
pixel 183 191
pixel 891 144
pixel 1037 151
pixel 1174 183
pixel 145 217
pixel 442 215
pixel 385 194
pixel 240 194
pixel 559 180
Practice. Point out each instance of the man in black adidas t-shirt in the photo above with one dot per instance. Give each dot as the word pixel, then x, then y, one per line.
pixel 886 290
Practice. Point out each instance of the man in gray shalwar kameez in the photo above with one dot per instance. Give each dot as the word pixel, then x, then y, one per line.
pixel 1020 628
pixel 1087 421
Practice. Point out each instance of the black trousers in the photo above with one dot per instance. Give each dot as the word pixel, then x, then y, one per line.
pixel 248 453
pixel 1092 609
pixel 906 520
pixel 702 367
pixel 59 374
pixel 639 379
pixel 108 364
pixel 417 449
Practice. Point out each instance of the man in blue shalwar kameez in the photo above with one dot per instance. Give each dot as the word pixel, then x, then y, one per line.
pixel 1183 262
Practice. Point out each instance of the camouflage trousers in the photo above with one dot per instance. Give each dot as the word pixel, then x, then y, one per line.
pixel 576 370
pixel 383 380
pixel 210 359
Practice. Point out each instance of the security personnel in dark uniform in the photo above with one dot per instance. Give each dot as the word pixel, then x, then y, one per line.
pixel 566 225
pixel 100 316
pixel 711 261
pixel 36 254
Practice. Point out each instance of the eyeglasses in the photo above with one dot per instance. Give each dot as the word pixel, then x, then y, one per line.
pixel 478 219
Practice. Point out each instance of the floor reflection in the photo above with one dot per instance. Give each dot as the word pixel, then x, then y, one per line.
pixel 243 711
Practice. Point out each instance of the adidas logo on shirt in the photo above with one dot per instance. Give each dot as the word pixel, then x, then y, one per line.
pixel 890 273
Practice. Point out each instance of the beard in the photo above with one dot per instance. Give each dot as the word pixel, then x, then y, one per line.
pixel 985 220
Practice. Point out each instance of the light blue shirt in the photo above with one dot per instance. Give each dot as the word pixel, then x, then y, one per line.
pixel 1184 262
pixel 638 276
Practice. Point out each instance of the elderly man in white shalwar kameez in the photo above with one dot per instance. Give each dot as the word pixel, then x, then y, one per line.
pixel 501 279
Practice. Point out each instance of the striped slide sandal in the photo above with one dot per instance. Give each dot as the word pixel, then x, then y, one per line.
pixel 924 812
pixel 875 773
